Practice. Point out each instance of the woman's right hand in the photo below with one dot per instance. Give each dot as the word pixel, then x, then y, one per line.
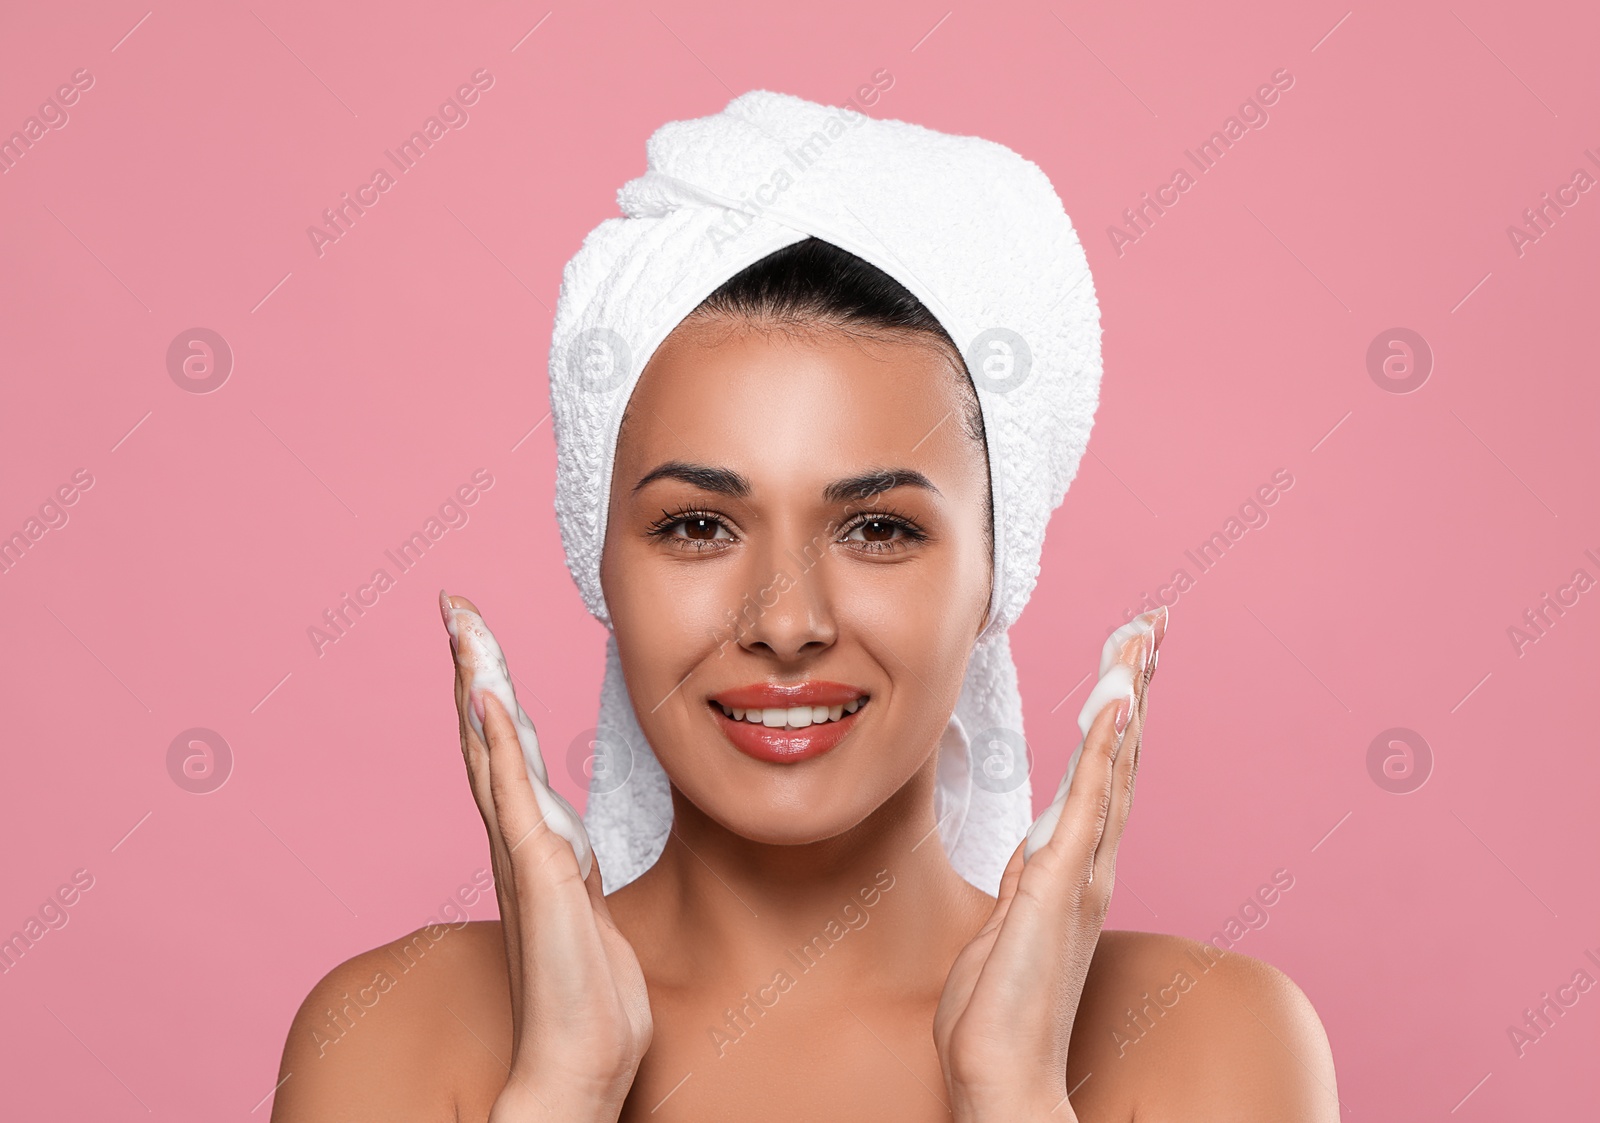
pixel 580 1013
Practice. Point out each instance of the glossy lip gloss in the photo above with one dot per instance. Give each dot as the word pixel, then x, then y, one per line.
pixel 787 744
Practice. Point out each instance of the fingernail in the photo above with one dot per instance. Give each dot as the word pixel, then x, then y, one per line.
pixel 1142 650
pixel 448 612
pixel 1160 628
pixel 1124 714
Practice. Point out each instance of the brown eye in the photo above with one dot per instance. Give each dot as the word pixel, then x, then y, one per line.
pixel 883 534
pixel 700 530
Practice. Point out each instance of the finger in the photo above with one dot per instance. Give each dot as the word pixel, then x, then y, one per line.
pixel 969 963
pixel 525 806
pixel 531 844
pixel 474 752
pixel 491 676
pixel 1151 627
pixel 1096 818
pixel 1055 900
pixel 1009 880
pixel 1120 656
pixel 546 911
pixel 1158 631
pixel 1052 900
pixel 476 755
pixel 1048 880
pixel 1121 664
pixel 546 900
pixel 1082 813
pixel 1121 806
pixel 1133 739
pixel 474 745
pixel 595 884
pixel 1127 765
pixel 543 868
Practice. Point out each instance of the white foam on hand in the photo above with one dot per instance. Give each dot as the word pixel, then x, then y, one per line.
pixel 479 651
pixel 1116 681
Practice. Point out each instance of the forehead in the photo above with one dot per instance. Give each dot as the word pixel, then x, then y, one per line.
pixel 816 400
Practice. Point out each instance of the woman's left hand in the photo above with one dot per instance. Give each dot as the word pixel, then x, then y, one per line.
pixel 1005 1018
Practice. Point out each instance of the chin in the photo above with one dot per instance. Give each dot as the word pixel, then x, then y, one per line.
pixel 774 818
pixel 788 804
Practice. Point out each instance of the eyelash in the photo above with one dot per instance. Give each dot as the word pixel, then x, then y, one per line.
pixel 671 520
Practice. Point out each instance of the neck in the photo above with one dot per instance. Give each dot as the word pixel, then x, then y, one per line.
pixel 878 905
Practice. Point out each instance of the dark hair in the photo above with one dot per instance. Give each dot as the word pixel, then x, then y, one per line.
pixel 813 283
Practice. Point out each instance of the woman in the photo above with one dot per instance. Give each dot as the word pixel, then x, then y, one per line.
pixel 808 517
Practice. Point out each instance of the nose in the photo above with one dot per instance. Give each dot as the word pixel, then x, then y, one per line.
pixel 789 611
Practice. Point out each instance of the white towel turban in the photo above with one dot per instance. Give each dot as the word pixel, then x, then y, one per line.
pixel 978 234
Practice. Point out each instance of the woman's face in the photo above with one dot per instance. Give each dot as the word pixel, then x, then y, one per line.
pixel 803 513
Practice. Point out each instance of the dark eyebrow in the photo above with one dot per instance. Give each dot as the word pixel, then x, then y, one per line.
pixel 702 476
pixel 860 487
pixel 863 487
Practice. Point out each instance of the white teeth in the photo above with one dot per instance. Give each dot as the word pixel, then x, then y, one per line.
pixel 793 717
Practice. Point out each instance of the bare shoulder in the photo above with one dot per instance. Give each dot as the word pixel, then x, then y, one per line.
pixel 1194 1033
pixel 406 1031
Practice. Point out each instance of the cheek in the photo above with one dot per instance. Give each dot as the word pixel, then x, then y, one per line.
pixel 920 624
pixel 921 635
pixel 669 619
pixel 924 630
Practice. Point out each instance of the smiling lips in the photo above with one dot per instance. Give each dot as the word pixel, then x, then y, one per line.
pixel 785 724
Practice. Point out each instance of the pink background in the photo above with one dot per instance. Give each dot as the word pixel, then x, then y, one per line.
pixel 372 381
